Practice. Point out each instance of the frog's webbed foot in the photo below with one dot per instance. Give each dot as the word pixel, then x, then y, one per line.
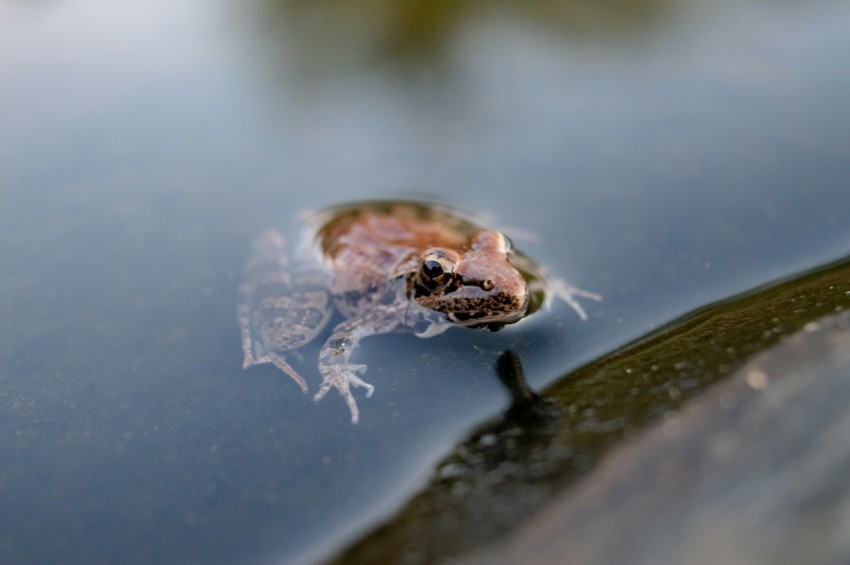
pixel 568 293
pixel 342 377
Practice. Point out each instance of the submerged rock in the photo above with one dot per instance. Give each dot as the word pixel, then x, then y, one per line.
pixel 753 471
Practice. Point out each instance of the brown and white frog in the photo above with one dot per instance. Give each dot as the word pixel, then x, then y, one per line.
pixel 386 266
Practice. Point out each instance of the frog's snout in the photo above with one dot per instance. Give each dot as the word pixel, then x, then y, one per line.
pixel 471 306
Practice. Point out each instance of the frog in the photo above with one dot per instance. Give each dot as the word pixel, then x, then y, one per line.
pixel 384 267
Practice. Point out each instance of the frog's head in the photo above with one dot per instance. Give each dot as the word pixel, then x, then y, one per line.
pixel 475 287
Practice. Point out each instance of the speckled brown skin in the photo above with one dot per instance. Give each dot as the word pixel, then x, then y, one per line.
pixel 394 266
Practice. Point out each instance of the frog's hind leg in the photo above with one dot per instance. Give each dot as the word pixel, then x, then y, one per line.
pixel 265 272
pixel 279 362
pixel 255 354
pixel 277 314
pixel 244 315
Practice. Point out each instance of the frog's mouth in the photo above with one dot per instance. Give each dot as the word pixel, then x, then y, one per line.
pixel 472 307
pixel 488 320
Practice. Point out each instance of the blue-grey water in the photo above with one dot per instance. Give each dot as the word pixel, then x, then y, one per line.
pixel 664 154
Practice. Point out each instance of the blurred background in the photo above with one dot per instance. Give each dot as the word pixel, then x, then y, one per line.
pixel 665 154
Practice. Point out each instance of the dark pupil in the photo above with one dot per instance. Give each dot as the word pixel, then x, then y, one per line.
pixel 432 269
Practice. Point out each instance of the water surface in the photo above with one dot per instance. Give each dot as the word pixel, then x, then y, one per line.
pixel 665 154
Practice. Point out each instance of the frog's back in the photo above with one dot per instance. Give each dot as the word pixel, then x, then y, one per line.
pixel 412 226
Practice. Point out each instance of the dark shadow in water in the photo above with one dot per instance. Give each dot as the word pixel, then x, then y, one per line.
pixel 523 399
pixel 510 467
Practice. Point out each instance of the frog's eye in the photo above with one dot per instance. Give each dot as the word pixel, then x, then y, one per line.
pixel 437 269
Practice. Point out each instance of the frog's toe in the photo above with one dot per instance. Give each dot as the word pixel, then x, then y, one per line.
pixel 354 380
pixel 568 293
pixel 281 364
pixel 342 378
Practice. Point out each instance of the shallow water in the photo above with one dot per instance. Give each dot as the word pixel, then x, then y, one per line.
pixel 665 155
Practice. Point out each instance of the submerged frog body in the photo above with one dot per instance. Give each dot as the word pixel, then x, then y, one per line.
pixel 387 267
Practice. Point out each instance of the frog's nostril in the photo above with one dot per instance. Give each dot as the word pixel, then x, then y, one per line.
pixel 488 284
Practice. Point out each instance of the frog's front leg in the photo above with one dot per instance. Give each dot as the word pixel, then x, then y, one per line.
pixel 553 287
pixel 336 371
pixel 568 293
